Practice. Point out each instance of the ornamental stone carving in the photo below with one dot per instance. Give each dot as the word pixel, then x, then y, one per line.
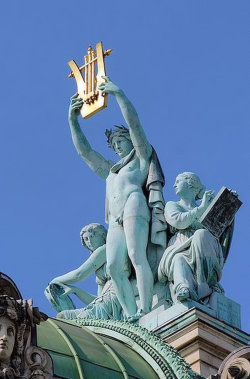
pixel 236 365
pixel 18 357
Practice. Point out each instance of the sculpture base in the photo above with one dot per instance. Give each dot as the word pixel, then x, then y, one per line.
pixel 194 330
pixel 220 307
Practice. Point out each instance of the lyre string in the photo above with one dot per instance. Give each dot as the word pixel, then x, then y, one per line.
pixel 86 74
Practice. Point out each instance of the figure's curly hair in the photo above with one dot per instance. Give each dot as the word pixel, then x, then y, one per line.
pixel 194 182
pixel 16 311
pixel 119 131
pixel 99 228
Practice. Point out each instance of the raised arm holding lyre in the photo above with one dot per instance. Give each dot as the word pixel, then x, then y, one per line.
pixel 93 159
pixel 138 138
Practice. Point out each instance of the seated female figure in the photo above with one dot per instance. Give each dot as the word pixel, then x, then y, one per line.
pixel 193 260
pixel 105 305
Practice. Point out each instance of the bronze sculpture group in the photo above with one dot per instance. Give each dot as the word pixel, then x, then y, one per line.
pixel 144 242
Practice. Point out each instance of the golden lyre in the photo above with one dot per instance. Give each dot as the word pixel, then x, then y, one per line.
pixel 93 100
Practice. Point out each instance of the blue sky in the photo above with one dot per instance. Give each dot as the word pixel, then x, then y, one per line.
pixel 185 66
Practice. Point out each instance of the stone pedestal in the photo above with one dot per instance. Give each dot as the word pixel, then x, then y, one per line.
pixel 200 337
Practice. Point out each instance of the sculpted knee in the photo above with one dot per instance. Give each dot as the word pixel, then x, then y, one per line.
pixel 201 234
pixel 134 257
pixel 178 260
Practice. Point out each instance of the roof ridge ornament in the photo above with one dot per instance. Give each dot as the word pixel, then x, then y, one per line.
pixel 167 357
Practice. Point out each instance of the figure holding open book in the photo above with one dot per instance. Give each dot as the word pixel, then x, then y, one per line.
pixel 193 260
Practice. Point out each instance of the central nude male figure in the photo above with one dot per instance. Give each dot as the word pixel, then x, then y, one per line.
pixel 127 211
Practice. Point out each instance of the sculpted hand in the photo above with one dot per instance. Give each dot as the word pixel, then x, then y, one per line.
pixel 63 288
pixel 75 106
pixel 119 220
pixel 234 193
pixel 108 86
pixel 55 281
pixel 68 289
pixel 206 200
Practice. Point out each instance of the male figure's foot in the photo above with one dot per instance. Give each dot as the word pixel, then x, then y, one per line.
pixel 183 294
pixel 136 316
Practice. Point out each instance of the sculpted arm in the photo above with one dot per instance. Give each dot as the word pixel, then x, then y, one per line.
pixel 84 296
pixel 94 160
pixel 95 260
pixel 138 137
pixel 179 219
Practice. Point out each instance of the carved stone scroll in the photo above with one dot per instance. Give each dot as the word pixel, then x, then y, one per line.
pixel 235 366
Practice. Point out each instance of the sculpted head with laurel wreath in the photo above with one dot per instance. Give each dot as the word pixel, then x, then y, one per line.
pixel 119 139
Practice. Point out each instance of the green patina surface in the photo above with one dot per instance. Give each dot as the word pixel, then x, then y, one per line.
pixel 128 212
pixel 78 351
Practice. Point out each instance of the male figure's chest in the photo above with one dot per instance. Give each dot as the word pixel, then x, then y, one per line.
pixel 129 173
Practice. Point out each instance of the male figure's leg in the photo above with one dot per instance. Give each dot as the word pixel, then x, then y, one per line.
pixel 116 251
pixel 136 231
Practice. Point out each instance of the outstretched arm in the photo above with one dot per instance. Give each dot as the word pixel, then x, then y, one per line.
pixel 94 160
pixel 95 260
pixel 138 137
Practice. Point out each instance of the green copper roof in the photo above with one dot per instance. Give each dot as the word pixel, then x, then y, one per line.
pixel 100 349
pixel 79 353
